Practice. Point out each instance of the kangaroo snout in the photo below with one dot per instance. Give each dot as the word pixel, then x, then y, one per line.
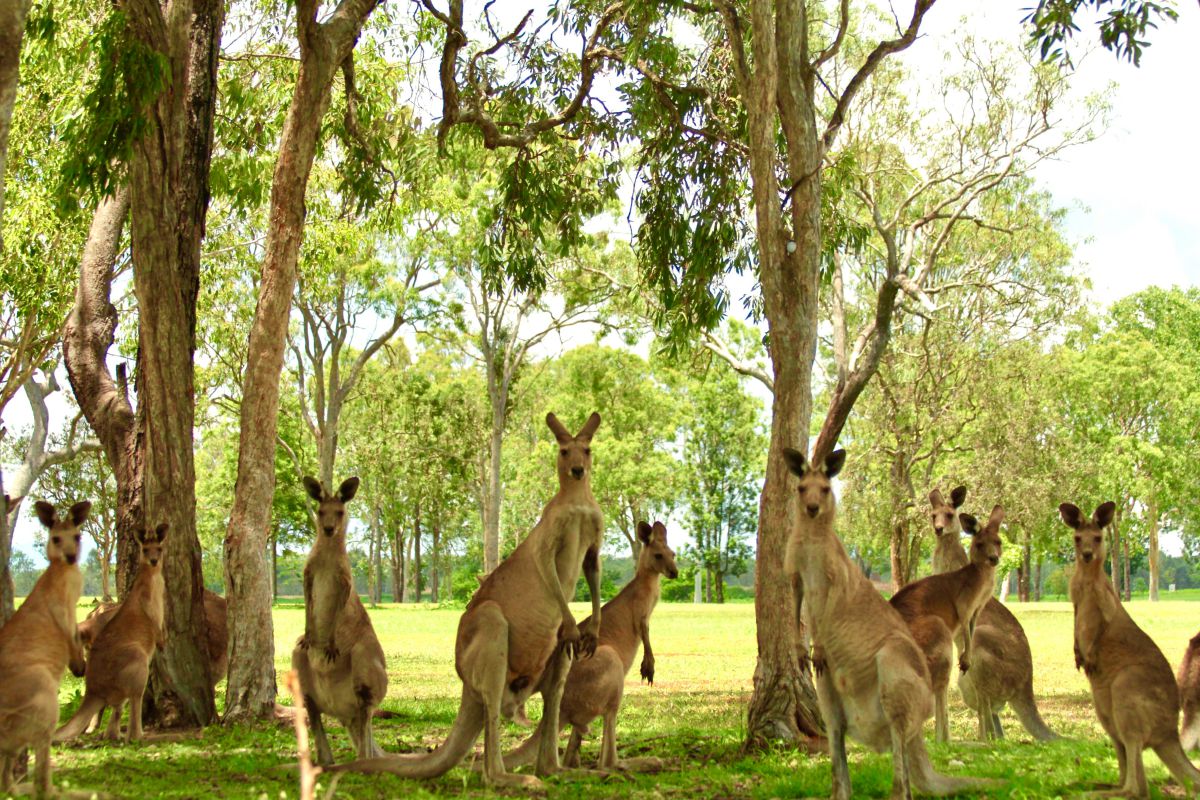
pixel 329 530
pixel 1087 557
pixel 993 560
pixel 70 559
pixel 813 509
pixel 577 472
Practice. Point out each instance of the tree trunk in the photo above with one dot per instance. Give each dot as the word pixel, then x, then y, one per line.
pixel 417 559
pixel 1125 567
pixel 435 559
pixel 12 30
pixel 1025 573
pixel 1005 585
pixel 87 337
pixel 323 47
pixel 491 511
pixel 168 179
pixel 397 548
pixel 274 564
pixel 1037 581
pixel 105 584
pixel 7 590
pixel 1152 514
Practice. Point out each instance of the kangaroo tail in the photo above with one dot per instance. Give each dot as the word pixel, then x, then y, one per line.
pixel 466 729
pixel 526 752
pixel 927 781
pixel 1026 709
pixel 1176 759
pixel 90 707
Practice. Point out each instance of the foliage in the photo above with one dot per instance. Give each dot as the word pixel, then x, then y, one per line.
pixel 1123 25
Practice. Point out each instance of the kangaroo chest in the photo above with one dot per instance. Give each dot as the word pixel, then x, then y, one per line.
pixel 328 576
pixel 580 529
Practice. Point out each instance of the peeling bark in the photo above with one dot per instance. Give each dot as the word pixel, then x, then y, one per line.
pixel 12 30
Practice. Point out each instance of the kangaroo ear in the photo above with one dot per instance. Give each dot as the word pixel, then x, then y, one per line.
pixel 161 531
pixel 560 432
pixel 644 532
pixel 1104 514
pixel 996 518
pixel 796 461
pixel 45 512
pixel 140 535
pixel 1071 515
pixel 348 489
pixel 958 496
pixel 834 462
pixel 660 531
pixel 79 512
pixel 313 487
pixel 589 428
pixel 969 523
pixel 935 498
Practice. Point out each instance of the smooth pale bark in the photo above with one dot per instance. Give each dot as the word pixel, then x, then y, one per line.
pixel 12 30
pixel 498 389
pixel 323 47
pixel 1152 515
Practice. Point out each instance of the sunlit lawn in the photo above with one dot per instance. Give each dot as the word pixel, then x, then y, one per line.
pixel 694 717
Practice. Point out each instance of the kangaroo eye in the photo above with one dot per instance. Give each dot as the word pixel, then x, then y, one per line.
pixel 78 538
pixel 562 452
pixel 587 451
pixel 824 490
pixel 658 555
pixel 57 540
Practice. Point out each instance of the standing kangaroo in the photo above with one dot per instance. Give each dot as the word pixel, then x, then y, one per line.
pixel 1002 667
pixel 596 686
pixel 872 681
pixel 1133 689
pixel 517 634
pixel 36 646
pixel 1189 694
pixel 951 602
pixel 340 662
pixel 119 661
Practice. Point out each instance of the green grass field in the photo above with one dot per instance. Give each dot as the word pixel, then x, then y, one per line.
pixel 693 717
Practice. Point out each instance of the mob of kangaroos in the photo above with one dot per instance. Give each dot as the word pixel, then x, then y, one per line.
pixel 1002 663
pixel 518 635
pixel 872 679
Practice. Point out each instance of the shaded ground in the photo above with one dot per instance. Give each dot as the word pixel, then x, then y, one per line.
pixel 694 717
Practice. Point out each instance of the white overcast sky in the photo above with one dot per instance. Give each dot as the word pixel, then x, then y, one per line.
pixel 1132 193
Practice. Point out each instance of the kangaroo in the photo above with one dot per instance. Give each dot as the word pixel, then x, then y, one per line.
pixel 954 599
pixel 1189 695
pixel 339 659
pixel 872 680
pixel 595 687
pixel 37 645
pixel 119 662
pixel 1133 689
pixel 1002 668
pixel 216 639
pixel 517 634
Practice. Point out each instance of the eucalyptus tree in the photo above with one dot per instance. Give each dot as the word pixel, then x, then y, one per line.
pixel 326 50
pixel 723 460
pixel 1122 24
pixel 500 320
pixel 735 137
pixel 12 32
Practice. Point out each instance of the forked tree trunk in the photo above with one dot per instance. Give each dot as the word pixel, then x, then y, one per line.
pixel 491 495
pixel 87 337
pixel 323 47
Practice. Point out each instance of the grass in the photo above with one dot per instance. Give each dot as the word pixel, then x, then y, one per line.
pixel 693 717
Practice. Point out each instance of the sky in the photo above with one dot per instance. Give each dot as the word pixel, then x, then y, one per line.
pixel 1131 194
